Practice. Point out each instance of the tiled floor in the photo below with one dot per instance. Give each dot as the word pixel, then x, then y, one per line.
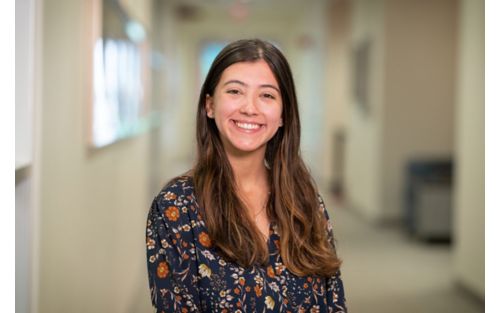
pixel 384 271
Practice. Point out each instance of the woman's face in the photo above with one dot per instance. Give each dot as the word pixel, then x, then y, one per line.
pixel 246 106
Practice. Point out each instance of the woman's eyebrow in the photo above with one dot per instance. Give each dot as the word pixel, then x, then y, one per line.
pixel 239 82
pixel 235 81
pixel 270 86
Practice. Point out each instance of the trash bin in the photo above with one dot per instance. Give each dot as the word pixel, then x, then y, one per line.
pixel 428 199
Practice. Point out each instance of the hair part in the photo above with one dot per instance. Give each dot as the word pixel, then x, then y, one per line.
pixel 293 202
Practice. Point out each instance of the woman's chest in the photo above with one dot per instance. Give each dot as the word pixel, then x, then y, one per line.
pixel 226 287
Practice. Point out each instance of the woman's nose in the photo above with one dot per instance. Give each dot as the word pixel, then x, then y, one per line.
pixel 249 106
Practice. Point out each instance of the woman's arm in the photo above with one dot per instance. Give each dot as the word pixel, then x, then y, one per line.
pixel 172 271
pixel 334 284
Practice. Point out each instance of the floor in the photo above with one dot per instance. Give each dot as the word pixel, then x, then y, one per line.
pixel 386 271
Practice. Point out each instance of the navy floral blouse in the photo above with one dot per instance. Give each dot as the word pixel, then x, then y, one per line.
pixel 186 274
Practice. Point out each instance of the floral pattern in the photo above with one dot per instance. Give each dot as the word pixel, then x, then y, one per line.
pixel 186 274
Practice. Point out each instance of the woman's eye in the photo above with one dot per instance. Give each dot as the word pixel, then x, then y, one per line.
pixel 233 91
pixel 269 96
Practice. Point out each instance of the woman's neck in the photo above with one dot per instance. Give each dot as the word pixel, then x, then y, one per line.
pixel 249 171
pixel 253 187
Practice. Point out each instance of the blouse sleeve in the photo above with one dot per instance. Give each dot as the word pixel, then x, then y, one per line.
pixel 171 266
pixel 334 284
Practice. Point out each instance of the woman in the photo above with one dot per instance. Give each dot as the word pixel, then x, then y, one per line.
pixel 245 229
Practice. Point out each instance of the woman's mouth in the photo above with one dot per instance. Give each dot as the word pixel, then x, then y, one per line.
pixel 247 125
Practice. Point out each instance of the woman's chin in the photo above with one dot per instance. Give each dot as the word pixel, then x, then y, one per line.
pixel 246 148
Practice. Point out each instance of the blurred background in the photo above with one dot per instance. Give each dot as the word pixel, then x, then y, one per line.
pixel 391 94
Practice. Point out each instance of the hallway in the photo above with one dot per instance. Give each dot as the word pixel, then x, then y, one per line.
pixel 380 84
pixel 385 271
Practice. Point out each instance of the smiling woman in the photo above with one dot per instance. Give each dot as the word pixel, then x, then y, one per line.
pixel 245 229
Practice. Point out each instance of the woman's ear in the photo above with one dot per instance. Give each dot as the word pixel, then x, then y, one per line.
pixel 281 122
pixel 209 106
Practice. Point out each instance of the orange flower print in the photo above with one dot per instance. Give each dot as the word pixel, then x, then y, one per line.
pixel 309 279
pixel 205 239
pixel 170 196
pixel 247 288
pixel 184 310
pixel 270 271
pixel 172 213
pixel 258 290
pixel 162 270
pixel 306 286
pixel 236 291
pixel 241 281
pixel 150 243
pixel 279 268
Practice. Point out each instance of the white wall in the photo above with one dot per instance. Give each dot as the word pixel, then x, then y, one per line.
pixel 25 48
pixel 364 130
pixel 337 87
pixel 28 20
pixel 411 98
pixel 419 90
pixel 309 65
pixel 469 252
pixel 24 241
pixel 166 152
pixel 93 205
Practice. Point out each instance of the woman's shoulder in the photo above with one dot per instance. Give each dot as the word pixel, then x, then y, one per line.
pixel 173 217
pixel 180 186
pixel 175 200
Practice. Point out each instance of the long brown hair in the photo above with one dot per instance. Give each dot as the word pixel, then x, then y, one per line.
pixel 293 202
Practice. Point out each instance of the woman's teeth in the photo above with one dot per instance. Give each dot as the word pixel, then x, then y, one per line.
pixel 247 125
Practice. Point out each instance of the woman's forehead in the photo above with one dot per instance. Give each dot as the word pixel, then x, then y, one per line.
pixel 249 74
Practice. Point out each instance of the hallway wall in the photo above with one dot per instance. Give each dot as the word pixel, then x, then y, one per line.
pixel 308 63
pixel 409 106
pixel 419 91
pixel 365 120
pixel 337 90
pixel 469 251
pixel 426 97
pixel 93 203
